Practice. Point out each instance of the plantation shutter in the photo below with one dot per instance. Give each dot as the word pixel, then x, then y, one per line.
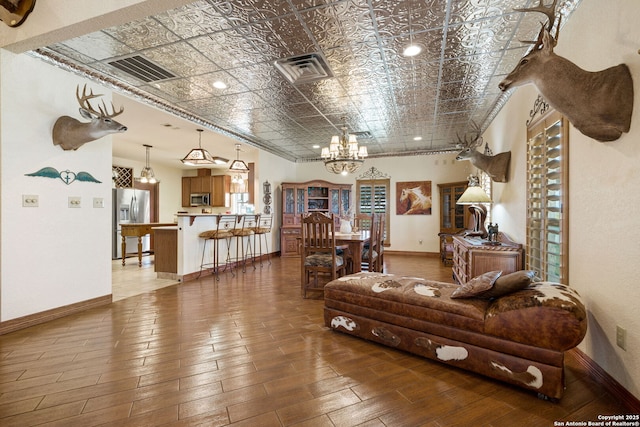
pixel 547 198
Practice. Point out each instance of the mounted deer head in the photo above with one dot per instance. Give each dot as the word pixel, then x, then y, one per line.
pixel 497 167
pixel 71 134
pixel 599 104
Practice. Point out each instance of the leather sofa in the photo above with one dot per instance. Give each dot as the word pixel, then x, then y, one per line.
pixel 517 334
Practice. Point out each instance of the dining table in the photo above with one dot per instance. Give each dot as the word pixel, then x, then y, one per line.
pixel 356 242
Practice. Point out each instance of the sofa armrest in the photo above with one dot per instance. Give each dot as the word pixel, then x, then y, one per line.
pixel 545 314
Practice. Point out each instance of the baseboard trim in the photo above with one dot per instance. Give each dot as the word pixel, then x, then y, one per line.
pixel 595 372
pixel 425 254
pixel 55 313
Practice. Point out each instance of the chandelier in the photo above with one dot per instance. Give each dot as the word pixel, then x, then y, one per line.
pixel 147 175
pixel 343 155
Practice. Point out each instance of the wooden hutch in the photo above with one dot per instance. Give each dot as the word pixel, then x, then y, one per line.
pixel 453 218
pixel 305 197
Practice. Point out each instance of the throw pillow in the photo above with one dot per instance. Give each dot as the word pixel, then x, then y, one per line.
pixel 477 285
pixel 509 283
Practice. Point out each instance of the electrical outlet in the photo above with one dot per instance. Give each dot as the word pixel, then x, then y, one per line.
pixel 74 202
pixel 621 337
pixel 30 200
pixel 98 202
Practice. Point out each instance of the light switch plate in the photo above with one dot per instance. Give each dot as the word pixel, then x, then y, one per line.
pixel 74 201
pixel 30 200
pixel 98 202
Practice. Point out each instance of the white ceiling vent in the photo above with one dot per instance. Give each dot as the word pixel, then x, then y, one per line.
pixel 142 68
pixel 363 134
pixel 304 68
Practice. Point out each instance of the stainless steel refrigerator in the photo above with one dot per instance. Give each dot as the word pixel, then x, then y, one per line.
pixel 130 206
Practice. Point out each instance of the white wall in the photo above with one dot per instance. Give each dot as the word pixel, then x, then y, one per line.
pixel 604 179
pixel 406 230
pixel 52 255
pixel 170 185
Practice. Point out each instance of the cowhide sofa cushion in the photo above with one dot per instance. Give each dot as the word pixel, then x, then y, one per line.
pixel 519 337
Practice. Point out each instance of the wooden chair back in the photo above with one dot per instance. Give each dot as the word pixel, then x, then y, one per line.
pixel 319 251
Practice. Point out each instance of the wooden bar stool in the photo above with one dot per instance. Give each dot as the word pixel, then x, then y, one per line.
pixel 243 233
pixel 225 226
pixel 262 232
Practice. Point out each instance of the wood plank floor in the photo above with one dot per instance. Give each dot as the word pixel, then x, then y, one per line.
pixel 249 351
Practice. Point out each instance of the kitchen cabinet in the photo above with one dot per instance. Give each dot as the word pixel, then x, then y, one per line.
pixel 217 186
pixel 311 196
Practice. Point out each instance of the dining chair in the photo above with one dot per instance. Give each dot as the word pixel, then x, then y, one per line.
pixel 379 267
pixel 362 221
pixel 370 253
pixel 319 252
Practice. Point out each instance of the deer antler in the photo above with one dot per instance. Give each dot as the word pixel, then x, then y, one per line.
pixel 550 12
pixel 474 141
pixel 83 100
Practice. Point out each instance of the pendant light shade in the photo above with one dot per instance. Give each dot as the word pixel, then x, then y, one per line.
pixel 238 165
pixel 200 156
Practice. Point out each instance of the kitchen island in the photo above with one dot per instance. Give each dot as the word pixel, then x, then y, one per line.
pixel 180 248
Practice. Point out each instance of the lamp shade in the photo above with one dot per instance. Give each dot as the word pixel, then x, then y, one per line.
pixel 238 165
pixel 473 194
pixel 198 156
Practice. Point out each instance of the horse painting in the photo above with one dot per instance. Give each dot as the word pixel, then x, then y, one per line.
pixel 413 198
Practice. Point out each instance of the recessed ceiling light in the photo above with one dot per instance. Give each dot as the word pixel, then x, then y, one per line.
pixel 316 146
pixel 412 50
pixel 417 138
pixel 219 84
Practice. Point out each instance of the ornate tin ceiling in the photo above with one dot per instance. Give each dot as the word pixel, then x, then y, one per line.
pixel 350 63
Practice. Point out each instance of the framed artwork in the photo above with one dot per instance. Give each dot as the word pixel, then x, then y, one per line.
pixel 413 198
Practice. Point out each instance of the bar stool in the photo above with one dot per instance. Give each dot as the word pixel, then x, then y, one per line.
pixel 261 232
pixel 243 231
pixel 225 226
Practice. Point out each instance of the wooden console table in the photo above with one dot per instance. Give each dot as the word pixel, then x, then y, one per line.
pixel 137 230
pixel 473 256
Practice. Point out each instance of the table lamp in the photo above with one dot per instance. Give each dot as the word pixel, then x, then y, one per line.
pixel 473 196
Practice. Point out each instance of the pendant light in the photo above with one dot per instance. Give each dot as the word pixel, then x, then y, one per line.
pixel 147 175
pixel 238 165
pixel 200 156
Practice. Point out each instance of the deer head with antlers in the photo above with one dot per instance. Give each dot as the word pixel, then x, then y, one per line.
pixel 599 104
pixel 497 167
pixel 71 134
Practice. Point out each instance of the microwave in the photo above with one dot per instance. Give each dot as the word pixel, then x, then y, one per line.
pixel 200 199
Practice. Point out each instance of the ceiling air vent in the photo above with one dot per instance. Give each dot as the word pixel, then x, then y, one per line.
pixel 141 68
pixel 363 134
pixel 304 68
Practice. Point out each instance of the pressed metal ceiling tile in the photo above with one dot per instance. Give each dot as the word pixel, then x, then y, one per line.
pixel 468 46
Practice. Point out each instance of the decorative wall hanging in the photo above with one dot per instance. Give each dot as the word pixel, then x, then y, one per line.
pixel 496 166
pixel 413 198
pixel 15 12
pixel 267 197
pixel 71 134
pixel 65 176
pixel 599 104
